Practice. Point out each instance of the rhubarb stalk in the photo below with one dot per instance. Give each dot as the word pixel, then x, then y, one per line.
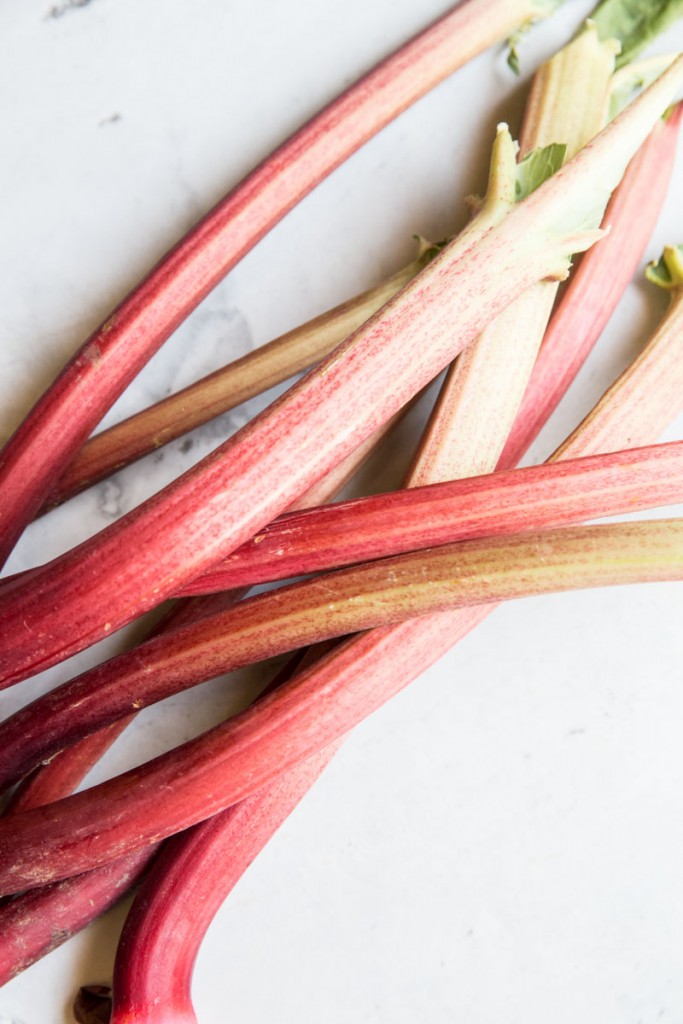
pixel 217 505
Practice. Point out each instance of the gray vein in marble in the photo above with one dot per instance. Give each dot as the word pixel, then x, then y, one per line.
pixel 112 119
pixel 109 496
pixel 59 10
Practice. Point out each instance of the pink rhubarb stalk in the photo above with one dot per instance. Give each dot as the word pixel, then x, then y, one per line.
pixel 52 434
pixel 159 928
pixel 133 565
pixel 328 537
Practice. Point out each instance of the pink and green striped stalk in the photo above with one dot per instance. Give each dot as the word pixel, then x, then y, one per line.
pixel 320 539
pixel 52 433
pixel 133 565
pixel 598 282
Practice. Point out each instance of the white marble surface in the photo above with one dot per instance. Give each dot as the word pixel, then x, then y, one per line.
pixel 501 843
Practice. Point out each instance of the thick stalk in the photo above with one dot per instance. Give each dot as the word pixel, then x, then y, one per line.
pixel 329 537
pixel 208 512
pixel 51 434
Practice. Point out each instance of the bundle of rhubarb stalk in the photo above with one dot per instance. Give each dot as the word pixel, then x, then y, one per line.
pixel 193 622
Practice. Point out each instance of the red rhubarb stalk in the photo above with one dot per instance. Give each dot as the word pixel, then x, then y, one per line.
pixel 52 433
pixel 328 537
pixel 133 565
pixel 205 862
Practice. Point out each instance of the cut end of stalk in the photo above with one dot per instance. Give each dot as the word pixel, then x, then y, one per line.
pixel 92 1005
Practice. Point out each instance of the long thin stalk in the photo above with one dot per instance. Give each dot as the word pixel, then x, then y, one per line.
pixel 51 434
pixel 328 537
pixel 208 512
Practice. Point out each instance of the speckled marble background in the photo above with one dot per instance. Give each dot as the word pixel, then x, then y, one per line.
pixel 501 843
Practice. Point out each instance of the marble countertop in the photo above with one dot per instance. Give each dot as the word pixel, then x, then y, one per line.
pixel 502 841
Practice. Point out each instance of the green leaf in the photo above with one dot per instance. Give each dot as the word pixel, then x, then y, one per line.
pixel 537 167
pixel 667 272
pixel 635 23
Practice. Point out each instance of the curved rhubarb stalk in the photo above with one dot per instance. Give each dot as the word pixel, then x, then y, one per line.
pixel 51 434
pixel 206 861
pixel 141 559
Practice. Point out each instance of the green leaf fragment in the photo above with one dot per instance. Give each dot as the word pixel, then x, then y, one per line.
pixel 667 271
pixel 537 167
pixel 635 23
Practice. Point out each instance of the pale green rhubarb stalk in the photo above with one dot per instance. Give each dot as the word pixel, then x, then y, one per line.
pixel 136 563
pixel 51 435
